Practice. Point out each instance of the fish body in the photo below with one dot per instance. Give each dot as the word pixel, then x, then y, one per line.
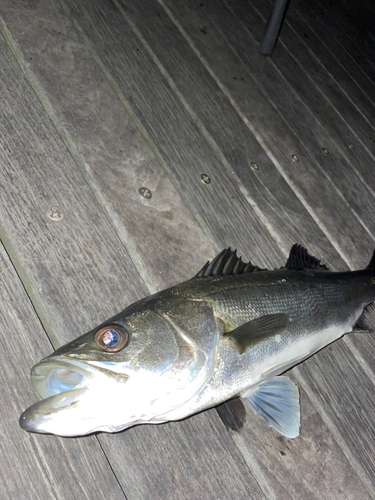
pixel 230 331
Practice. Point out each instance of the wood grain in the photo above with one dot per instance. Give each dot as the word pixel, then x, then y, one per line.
pixel 78 273
pixel 36 466
pixel 355 425
pixel 265 119
pixel 309 108
pixel 282 211
pixel 312 466
pixel 171 106
pixel 344 28
pixel 328 83
pixel 176 139
pixel 333 53
pixel 106 144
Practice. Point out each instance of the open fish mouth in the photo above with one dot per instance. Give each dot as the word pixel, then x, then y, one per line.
pixel 53 377
pixel 63 386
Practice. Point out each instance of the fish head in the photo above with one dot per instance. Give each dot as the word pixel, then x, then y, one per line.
pixel 133 369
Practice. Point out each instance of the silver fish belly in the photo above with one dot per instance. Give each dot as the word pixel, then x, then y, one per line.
pixel 232 330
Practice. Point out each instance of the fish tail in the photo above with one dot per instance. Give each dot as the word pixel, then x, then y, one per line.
pixel 372 262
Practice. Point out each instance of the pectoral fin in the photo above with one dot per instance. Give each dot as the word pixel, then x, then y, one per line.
pixel 256 330
pixel 277 403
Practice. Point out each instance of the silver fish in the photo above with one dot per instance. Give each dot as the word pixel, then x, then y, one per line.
pixel 232 330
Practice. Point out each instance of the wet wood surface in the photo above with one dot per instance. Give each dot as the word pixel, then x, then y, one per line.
pixel 100 99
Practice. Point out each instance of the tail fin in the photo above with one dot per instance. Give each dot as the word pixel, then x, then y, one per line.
pixel 372 262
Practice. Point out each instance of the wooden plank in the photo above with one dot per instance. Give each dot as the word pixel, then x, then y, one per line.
pixel 166 472
pixel 282 211
pixel 306 106
pixel 312 466
pixel 319 377
pixel 330 85
pixel 175 137
pixel 307 23
pixel 189 18
pixel 35 466
pixel 307 177
pixel 177 470
pixel 78 269
pixel 106 144
pixel 356 41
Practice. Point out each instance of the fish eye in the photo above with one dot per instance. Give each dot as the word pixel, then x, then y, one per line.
pixel 111 338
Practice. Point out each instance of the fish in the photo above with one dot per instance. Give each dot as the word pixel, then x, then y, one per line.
pixel 230 331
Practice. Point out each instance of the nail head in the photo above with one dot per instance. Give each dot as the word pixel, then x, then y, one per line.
pixel 205 179
pixel 145 193
pixel 55 214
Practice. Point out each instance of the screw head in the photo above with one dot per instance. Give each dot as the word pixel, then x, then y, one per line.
pixel 351 146
pixel 145 193
pixel 295 158
pixel 205 179
pixel 254 165
pixel 325 151
pixel 55 214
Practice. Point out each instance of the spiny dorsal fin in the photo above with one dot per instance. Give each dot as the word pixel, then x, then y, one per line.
pixel 299 258
pixel 226 263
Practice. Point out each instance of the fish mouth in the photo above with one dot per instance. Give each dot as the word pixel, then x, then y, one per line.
pixel 52 377
pixel 62 385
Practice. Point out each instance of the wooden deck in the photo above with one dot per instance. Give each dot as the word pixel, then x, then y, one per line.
pixel 99 98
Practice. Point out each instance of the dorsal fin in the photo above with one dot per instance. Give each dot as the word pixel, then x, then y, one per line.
pixel 225 263
pixel 299 258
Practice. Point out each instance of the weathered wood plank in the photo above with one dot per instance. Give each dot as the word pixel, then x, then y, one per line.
pixel 306 108
pixel 312 466
pixel 281 210
pixel 307 177
pixel 85 261
pixel 76 114
pixel 328 84
pixel 191 19
pixel 320 378
pixel 106 144
pixel 173 472
pixel 357 42
pixel 306 22
pixel 35 466
pixel 175 137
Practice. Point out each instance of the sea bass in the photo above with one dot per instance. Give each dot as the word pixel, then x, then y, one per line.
pixel 230 331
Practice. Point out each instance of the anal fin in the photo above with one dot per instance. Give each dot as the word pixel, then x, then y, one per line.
pixel 277 403
pixel 366 322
